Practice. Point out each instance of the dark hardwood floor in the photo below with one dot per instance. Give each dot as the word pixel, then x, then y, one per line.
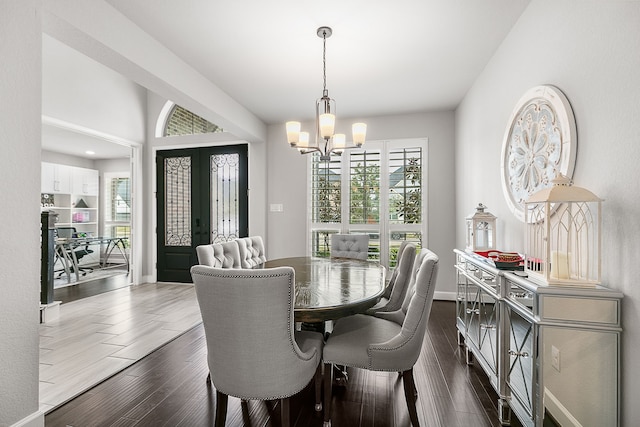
pixel 168 388
pixel 90 288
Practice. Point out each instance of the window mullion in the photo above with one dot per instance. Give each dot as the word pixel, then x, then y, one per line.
pixel 384 204
pixel 345 222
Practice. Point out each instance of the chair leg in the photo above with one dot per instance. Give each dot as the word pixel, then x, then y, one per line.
pixel 318 387
pixel 328 383
pixel 284 412
pixel 410 394
pixel 221 408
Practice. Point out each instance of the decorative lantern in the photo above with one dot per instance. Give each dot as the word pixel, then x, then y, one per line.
pixel 562 235
pixel 481 230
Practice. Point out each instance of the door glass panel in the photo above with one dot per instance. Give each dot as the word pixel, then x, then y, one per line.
pixel 225 211
pixel 177 201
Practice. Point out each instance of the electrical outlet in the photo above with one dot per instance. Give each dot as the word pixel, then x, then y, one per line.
pixel 555 358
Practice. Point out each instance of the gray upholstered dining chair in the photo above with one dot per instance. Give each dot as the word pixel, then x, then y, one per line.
pixel 221 255
pixel 378 344
pixel 399 315
pixel 399 282
pixel 252 251
pixel 350 246
pixel 391 280
pixel 253 350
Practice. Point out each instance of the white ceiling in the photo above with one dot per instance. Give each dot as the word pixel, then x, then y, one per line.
pixel 384 58
pixel 66 141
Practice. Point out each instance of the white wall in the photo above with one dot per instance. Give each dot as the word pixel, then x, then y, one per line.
pixel 588 49
pixel 76 89
pixel 67 159
pixel 20 50
pixel 113 165
pixel 287 185
pixel 102 33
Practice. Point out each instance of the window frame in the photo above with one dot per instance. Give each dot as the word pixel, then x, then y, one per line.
pixel 384 228
pixel 108 222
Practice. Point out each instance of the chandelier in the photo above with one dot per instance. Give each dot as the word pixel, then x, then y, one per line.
pixel 326 141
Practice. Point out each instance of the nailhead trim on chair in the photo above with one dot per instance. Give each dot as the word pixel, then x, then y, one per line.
pixel 226 274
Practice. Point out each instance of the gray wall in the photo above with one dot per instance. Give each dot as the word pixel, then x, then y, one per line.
pixel 590 50
pixel 287 185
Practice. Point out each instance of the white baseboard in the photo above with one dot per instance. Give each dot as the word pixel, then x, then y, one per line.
pixel 34 420
pixel 444 296
pixel 50 312
pixel 558 411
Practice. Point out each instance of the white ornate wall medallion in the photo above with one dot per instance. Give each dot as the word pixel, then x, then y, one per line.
pixel 540 143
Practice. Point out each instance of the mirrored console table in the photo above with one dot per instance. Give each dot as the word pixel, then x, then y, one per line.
pixel 548 351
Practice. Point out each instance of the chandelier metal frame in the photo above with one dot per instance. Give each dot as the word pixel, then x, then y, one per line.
pixel 326 141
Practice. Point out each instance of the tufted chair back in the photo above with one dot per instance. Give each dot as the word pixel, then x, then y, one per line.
pixel 396 271
pixel 253 349
pixel 399 314
pixel 220 255
pixel 380 344
pixel 350 246
pixel 401 280
pixel 251 251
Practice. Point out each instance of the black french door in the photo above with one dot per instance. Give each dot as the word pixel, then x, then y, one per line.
pixel 202 198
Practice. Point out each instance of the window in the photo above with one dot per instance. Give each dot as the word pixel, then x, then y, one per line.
pixel 184 122
pixel 117 221
pixel 379 191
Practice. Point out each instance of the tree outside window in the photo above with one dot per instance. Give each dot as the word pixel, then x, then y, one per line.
pixel 383 197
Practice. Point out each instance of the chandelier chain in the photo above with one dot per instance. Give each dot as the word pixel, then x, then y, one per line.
pixel 327 142
pixel 324 62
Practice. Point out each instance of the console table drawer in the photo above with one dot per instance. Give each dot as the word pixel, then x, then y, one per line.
pixel 597 311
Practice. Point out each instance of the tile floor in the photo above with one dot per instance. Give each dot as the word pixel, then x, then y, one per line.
pixel 98 336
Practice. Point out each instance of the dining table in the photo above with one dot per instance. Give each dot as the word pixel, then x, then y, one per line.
pixel 331 288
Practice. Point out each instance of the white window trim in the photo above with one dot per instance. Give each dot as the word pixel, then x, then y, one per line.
pixel 384 227
pixel 108 176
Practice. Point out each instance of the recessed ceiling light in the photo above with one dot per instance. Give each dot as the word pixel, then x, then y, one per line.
pixel 90 152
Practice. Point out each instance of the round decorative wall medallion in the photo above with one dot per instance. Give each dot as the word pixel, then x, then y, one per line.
pixel 540 143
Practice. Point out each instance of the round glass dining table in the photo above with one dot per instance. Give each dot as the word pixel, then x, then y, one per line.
pixel 331 288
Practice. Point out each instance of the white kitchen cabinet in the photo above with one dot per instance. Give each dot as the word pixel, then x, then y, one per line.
pixel 73 193
pixel 55 179
pixel 84 182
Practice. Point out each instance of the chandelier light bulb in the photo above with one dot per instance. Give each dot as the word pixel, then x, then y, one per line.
pixel 293 133
pixel 327 125
pixel 303 141
pixel 359 133
pixel 325 141
pixel 339 141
